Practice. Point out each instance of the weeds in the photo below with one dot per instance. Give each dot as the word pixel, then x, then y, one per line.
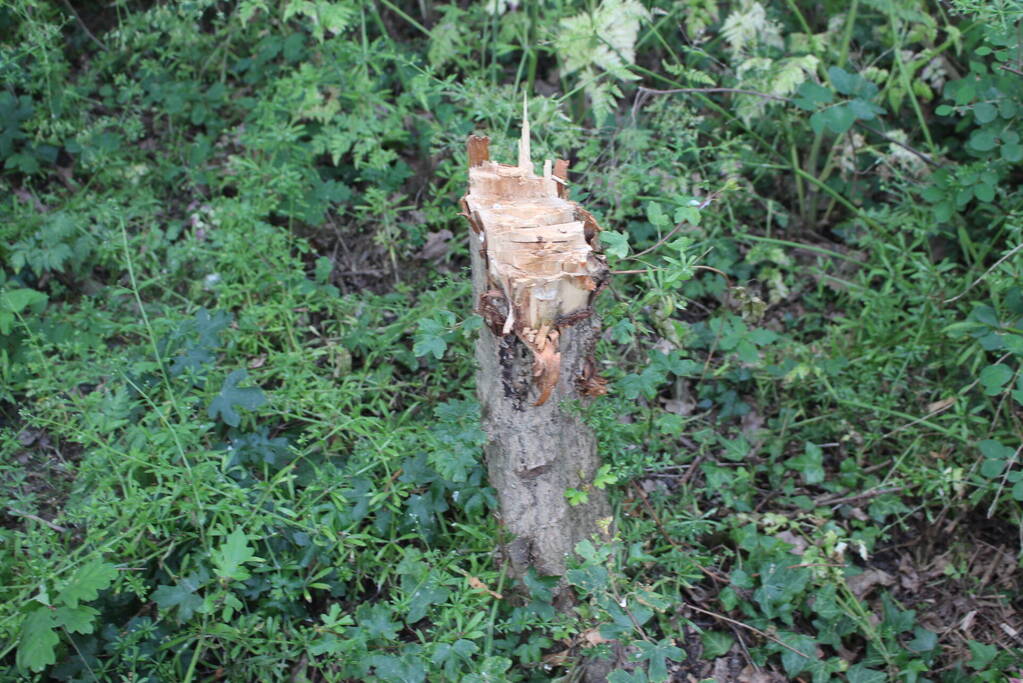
pixel 237 433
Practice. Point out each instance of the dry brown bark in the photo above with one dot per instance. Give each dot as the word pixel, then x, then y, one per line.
pixel 536 270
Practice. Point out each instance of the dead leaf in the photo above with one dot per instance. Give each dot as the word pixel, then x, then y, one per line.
pixel 556 658
pixel 479 585
pixel 797 542
pixel 257 362
pixel 863 583
pixel 436 246
pixel 943 404
pixel 679 406
pixel 592 637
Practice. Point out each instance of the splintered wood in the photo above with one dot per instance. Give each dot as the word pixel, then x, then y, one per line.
pixel 542 269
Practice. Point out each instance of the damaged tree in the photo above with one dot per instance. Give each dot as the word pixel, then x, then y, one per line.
pixel 536 270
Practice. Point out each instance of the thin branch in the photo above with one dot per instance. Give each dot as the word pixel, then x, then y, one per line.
pixel 986 273
pixel 1012 70
pixel 859 496
pixel 36 518
pixel 735 91
pixel 754 629
pixel 85 28
pixel 926 159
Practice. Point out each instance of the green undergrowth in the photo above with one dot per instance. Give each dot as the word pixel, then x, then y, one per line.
pixel 239 437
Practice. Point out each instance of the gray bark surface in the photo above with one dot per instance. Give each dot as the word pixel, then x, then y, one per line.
pixel 535 453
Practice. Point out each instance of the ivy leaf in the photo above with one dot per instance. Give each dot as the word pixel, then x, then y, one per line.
pixel 716 644
pixel 87 582
pixel 794 662
pixel 38 640
pixel 809 464
pixel 231 397
pixel 230 557
pixel 657 655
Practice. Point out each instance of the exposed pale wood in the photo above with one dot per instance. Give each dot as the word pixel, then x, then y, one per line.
pixel 536 270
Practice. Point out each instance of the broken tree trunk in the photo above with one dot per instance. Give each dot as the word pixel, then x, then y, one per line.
pixel 535 274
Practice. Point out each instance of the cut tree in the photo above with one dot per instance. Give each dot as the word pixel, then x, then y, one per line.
pixel 536 271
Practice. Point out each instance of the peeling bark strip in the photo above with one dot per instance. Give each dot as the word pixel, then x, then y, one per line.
pixel 536 271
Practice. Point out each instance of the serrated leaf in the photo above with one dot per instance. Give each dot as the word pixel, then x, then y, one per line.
pixel 430 338
pixel 76 619
pixel 37 641
pixel 231 397
pixel 86 583
pixel 375 621
pixel 181 596
pixel 229 559
pixel 17 300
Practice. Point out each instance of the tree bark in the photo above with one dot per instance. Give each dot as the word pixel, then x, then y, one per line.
pixel 536 269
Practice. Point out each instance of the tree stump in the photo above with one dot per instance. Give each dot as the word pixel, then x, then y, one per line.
pixel 536 269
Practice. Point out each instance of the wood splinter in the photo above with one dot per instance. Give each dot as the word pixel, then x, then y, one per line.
pixel 539 250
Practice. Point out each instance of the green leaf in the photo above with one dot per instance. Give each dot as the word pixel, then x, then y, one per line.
pixel 375 621
pixel 838 119
pixel 616 244
pixel 656 215
pixel 86 583
pixel 983 140
pixel 811 95
pixel 981 654
pixel 794 662
pixel 232 397
pixel 1012 152
pixel 716 643
pixel 861 673
pixel 17 300
pixel 985 112
pixel 809 464
pixel 993 378
pixel 38 640
pixel 394 669
pixel 181 596
pixel 432 335
pixel 843 81
pixel 657 655
pixel 230 557
pixel 76 619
